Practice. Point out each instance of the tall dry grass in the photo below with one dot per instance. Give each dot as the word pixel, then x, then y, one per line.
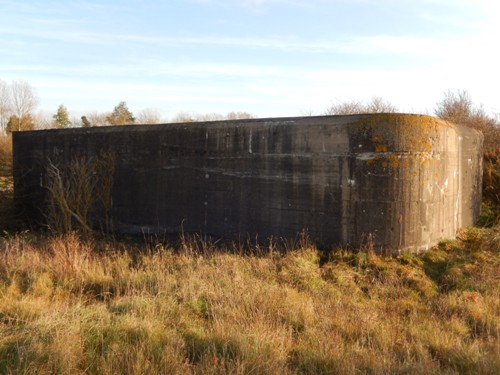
pixel 73 306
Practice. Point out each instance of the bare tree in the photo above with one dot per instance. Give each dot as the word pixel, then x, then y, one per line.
pixel 307 113
pixel 24 101
pixel 42 120
pixel 455 107
pixel 184 117
pixel 148 116
pixel 239 116
pixel 459 108
pixel 5 105
pixel 376 105
pixel 379 105
pixel 214 116
pixel 345 108
pixel 97 118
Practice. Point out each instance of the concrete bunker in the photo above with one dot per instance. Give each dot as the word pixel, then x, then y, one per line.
pixel 409 180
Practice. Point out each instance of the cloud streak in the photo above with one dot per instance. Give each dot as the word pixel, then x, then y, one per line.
pixel 248 64
pixel 403 45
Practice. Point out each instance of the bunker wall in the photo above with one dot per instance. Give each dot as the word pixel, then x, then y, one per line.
pixel 407 180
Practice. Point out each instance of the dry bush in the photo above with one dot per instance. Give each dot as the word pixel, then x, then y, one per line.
pixel 77 190
pixel 149 116
pixel 459 108
pixel 376 105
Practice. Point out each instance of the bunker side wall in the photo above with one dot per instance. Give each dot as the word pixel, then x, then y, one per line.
pixel 407 180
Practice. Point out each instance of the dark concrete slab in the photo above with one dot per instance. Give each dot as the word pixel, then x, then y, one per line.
pixel 408 180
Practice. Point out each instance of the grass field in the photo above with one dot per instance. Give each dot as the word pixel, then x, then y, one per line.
pixel 74 305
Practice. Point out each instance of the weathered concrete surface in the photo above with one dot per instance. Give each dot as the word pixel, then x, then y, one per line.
pixel 409 180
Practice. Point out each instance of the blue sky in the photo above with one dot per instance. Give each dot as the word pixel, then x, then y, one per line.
pixel 266 57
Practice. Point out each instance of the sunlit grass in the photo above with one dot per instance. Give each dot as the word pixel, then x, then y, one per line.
pixel 73 306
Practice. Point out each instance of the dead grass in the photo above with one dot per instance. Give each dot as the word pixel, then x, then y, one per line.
pixel 73 306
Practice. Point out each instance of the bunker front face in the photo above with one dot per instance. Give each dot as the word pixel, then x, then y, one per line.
pixel 406 181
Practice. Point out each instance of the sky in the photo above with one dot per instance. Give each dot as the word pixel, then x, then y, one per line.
pixel 270 58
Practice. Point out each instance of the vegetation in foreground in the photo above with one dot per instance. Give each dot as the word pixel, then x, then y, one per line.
pixel 73 306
